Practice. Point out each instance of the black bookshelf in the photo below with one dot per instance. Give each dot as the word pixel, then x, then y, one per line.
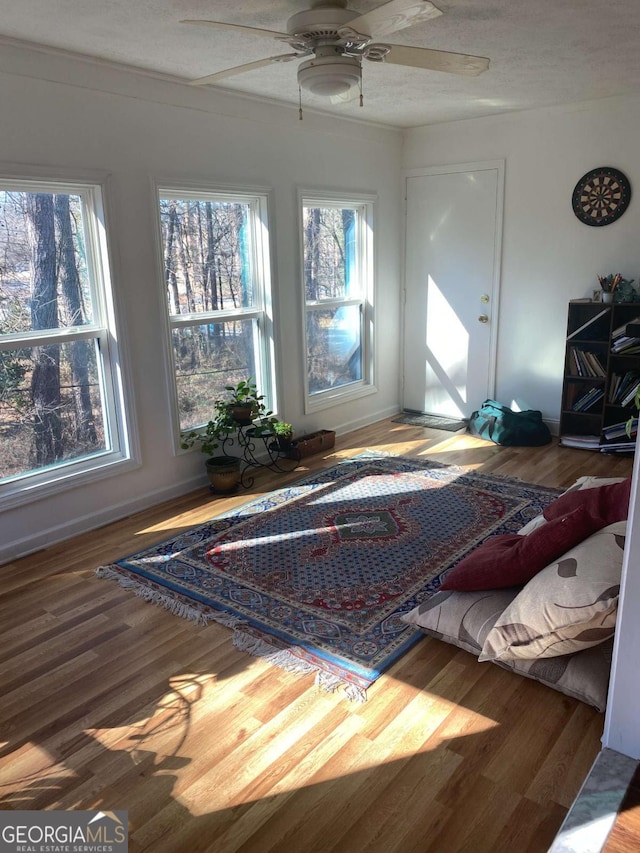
pixel 601 375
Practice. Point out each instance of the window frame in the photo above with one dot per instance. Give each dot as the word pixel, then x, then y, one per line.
pixel 364 205
pixel 258 200
pixel 122 451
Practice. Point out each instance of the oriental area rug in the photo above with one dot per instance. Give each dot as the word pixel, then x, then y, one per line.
pixel 315 576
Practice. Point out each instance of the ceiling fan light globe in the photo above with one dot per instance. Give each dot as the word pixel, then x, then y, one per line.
pixel 329 76
pixel 326 85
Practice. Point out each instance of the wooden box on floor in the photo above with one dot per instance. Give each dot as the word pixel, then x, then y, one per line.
pixel 314 442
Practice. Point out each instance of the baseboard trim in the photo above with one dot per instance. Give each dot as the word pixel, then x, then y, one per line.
pixel 85 523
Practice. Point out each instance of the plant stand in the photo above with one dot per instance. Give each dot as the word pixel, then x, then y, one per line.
pixel 260 449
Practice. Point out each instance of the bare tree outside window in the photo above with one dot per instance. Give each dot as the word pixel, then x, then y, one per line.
pixel 336 292
pixel 51 406
pixel 216 277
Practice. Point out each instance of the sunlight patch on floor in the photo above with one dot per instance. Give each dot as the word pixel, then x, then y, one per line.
pixel 30 772
pixel 188 723
pixel 411 733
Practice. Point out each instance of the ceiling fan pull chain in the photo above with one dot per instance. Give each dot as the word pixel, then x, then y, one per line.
pixel 299 103
pixel 361 98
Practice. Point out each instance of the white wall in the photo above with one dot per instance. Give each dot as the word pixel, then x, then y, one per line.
pixel 69 114
pixel 548 255
pixel 621 731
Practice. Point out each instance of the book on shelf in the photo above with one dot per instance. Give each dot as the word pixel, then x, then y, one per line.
pixel 575 368
pixel 585 363
pixel 594 364
pixel 576 364
pixel 622 328
pixel 583 442
pixel 625 345
pixel 616 439
pixel 621 341
pixel 614 387
pixel 618 447
pixel 587 400
pixel 623 388
pixel 586 325
pixel 630 395
pixel 618 430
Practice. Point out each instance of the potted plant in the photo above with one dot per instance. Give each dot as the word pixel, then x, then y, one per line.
pixel 244 403
pixel 223 471
pixel 284 434
pixel 243 407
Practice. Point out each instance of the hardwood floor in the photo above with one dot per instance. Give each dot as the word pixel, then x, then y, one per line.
pixel 109 702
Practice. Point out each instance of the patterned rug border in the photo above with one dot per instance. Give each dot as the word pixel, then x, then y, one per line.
pixel 277 650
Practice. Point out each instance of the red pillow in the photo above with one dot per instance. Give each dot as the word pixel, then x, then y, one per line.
pixel 509 559
pixel 610 502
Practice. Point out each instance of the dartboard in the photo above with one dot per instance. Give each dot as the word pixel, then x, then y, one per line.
pixel 601 196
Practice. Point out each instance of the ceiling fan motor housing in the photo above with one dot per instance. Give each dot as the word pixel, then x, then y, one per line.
pixel 319 23
pixel 330 72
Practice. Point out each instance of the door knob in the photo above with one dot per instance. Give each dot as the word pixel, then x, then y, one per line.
pixel 483 318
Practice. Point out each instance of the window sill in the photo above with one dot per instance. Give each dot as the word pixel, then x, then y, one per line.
pixel 329 399
pixel 17 494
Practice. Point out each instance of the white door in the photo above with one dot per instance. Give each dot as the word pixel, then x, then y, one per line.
pixel 452 264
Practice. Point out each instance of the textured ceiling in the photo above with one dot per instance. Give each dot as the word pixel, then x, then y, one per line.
pixel 543 52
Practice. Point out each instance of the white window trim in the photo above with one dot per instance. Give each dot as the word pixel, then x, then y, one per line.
pixel 365 386
pixel 260 199
pixel 120 418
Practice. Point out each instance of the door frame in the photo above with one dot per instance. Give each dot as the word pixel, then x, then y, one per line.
pixel 456 168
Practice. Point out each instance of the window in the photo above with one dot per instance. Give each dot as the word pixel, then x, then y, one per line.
pixel 61 409
pixel 216 274
pixel 337 249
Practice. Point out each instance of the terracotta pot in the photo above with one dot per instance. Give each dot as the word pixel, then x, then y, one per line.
pixel 241 414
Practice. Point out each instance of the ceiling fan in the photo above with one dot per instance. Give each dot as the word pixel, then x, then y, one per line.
pixel 336 40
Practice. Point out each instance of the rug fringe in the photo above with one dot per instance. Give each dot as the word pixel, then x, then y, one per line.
pixel 278 657
pixel 168 602
pixel 242 640
pixel 330 683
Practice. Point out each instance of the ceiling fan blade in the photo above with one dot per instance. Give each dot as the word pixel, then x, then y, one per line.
pixel 433 60
pixel 249 31
pixel 394 16
pixel 240 69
